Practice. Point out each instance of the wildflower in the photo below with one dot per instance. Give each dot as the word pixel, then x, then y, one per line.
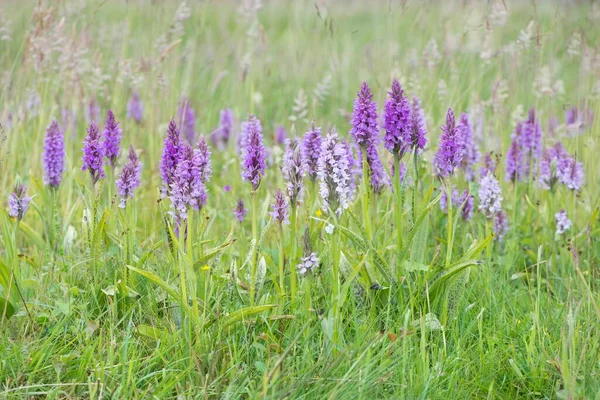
pixel 490 196
pixel 451 148
pixel 444 199
pixel 204 159
pixel 466 203
pixel 471 152
pixel 54 155
pixel 551 159
pixel 293 169
pixel 570 173
pixel 500 225
pixel 135 107
pixel 308 264
pixel 18 201
pixel 187 189
pixel 253 152
pixel 93 152
pixel 92 111
pixel 240 211
pixel 129 179
pixel 489 164
pixel 220 136
pixel 311 149
pixel 170 156
pixel 418 127
pixel 112 139
pixel 378 175
pixel 577 121
pixel 187 120
pixel 227 188
pixel 397 121
pixel 365 130
pixel 530 135
pixel 334 173
pixel 280 208
pixel 280 135
pixel 563 223
pixel 515 169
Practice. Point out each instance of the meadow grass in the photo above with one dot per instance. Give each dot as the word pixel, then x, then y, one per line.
pixel 106 315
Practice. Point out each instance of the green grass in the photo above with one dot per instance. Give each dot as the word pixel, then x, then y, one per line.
pixel 520 321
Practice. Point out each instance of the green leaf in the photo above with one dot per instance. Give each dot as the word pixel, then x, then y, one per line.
pixel 10 309
pixel 32 235
pixel 409 266
pixel 243 314
pixel 153 333
pixel 214 252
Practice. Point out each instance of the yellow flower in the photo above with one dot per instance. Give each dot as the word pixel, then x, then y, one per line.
pixel 205 267
pixel 318 213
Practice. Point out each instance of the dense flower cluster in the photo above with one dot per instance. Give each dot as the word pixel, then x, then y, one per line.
pixel 53 157
pixel 563 223
pixel 129 179
pixel 335 173
pixel 490 196
pixel 451 148
pixel 280 208
pixel 293 169
pixel 18 201
pixel 311 149
pixel 365 129
pixel 112 139
pixel 93 153
pixel 170 156
pixel 397 121
pixel 253 152
pixel 187 189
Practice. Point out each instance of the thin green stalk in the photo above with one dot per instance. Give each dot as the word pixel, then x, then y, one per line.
pixel 415 186
pixel 366 195
pixel 292 262
pixel 397 192
pixel 281 263
pixel 335 253
pixel 253 196
pixel 450 233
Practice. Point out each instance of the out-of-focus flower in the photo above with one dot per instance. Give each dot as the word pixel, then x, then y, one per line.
pixel 220 136
pixel 293 169
pixel 18 201
pixel 471 151
pixel 418 126
pixel 280 208
pixel 500 225
pixel 188 190
pixel 240 211
pixel 135 107
pixel 308 264
pixel 444 199
pixel 280 135
pixel 187 120
pixel 563 223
